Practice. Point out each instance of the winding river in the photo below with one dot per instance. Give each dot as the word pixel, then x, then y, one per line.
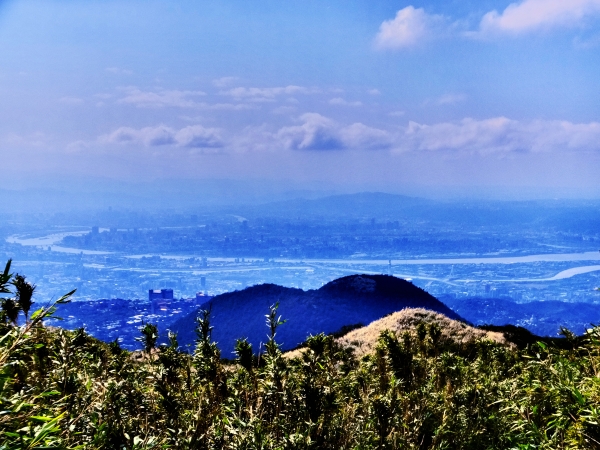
pixel 51 240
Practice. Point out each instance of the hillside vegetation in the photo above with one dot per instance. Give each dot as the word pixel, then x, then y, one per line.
pixel 417 385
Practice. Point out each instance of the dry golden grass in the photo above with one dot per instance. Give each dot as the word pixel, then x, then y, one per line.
pixel 364 340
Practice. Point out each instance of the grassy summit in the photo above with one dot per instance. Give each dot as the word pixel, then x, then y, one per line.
pixel 451 332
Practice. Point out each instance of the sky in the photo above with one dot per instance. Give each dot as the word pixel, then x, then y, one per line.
pixel 455 96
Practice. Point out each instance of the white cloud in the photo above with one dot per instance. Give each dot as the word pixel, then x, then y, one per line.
pixel 409 28
pixel 374 92
pixel 530 15
pixel 162 98
pixel 157 136
pixel 122 134
pixel 224 81
pixel 362 136
pixel 321 133
pixel 194 136
pixel 413 26
pixel 501 135
pixel 316 133
pixel 341 102
pixel 267 94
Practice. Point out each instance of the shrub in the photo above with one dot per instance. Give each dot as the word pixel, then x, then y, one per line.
pixel 405 389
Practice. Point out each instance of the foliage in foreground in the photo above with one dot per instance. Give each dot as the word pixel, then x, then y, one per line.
pixel 65 389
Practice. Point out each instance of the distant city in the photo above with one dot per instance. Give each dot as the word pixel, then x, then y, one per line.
pixel 490 250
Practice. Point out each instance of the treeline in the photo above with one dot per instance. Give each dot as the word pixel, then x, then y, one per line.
pixel 63 389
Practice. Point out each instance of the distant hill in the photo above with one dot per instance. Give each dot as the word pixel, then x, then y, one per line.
pixel 346 301
pixel 573 215
pixel 361 205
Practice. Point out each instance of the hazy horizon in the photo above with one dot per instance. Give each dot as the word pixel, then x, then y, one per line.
pixel 486 99
pixel 189 195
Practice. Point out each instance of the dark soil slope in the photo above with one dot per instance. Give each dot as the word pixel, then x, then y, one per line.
pixel 346 301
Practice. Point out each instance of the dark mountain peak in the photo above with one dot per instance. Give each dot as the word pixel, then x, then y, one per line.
pixel 360 284
pixel 258 291
pixel 382 285
pixel 265 288
pixel 346 301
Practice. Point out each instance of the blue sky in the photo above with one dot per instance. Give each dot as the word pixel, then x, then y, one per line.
pixel 353 95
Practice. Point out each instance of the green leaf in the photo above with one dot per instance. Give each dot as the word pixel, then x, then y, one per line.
pixel 65 298
pixel 48 393
pixel 11 434
pixel 37 313
pixel 577 396
pixel 42 418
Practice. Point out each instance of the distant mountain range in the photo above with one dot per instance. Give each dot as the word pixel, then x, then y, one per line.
pixel 572 215
pixel 351 300
pixel 363 204
pixel 222 199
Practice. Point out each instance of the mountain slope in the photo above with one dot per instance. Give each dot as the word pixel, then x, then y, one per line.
pixel 346 301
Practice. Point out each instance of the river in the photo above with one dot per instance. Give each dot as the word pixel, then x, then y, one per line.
pixel 50 241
